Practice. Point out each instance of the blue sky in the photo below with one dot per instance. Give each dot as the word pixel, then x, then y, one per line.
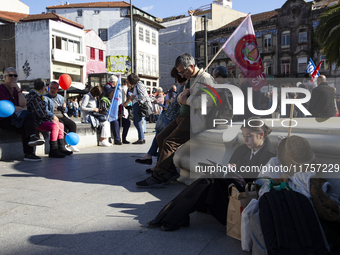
pixel 163 9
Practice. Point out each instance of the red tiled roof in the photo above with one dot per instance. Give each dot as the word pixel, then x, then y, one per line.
pixel 255 18
pixel 11 16
pixel 52 16
pixel 87 5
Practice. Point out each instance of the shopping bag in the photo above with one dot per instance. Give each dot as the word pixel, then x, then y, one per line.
pixel 237 202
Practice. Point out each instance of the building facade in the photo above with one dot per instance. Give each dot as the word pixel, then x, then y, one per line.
pixel 111 21
pixel 285 38
pixel 95 53
pixel 8 21
pixel 48 46
pixel 180 34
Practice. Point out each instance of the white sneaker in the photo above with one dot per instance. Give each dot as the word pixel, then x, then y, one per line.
pixel 105 143
pixel 73 148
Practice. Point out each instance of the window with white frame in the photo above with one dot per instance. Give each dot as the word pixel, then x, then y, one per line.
pixel 303 35
pixel 141 63
pixel 66 44
pixel 267 66
pixel 141 34
pixel 214 48
pixel 267 42
pixel 80 13
pixel 285 66
pixel 325 64
pixel 302 64
pixel 201 50
pixel 153 38
pixel 147 36
pixel 285 38
pixel 147 64
pixel 153 66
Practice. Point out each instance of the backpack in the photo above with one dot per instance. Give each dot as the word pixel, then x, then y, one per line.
pixel 221 112
pixel 290 225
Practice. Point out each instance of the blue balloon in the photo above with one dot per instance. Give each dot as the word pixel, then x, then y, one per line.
pixel 72 138
pixel 6 108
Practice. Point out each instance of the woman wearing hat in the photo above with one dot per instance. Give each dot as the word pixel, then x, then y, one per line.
pixel 294 154
pixel 212 194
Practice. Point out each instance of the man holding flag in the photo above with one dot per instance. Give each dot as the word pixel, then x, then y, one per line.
pixel 109 105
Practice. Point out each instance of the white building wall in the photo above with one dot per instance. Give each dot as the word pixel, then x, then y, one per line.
pixel 14 6
pixel 33 56
pixel 104 18
pixel 34 52
pixel 145 50
pixel 176 39
pixel 218 17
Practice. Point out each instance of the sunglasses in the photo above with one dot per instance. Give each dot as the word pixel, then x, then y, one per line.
pixel 12 75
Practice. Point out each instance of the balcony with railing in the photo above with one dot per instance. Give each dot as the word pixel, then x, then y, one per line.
pixel 68 57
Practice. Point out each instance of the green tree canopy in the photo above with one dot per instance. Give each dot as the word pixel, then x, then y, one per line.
pixel 328 33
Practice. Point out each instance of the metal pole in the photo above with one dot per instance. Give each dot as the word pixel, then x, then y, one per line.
pixel 205 42
pixel 132 38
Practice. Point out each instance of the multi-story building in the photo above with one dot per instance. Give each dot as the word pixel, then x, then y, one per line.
pixel 47 46
pixel 8 21
pixel 285 38
pixel 95 53
pixel 111 21
pixel 14 6
pixel 180 34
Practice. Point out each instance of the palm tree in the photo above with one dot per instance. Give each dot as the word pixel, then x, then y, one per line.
pixel 328 33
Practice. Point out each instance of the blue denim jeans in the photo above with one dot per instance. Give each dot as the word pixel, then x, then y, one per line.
pixel 137 121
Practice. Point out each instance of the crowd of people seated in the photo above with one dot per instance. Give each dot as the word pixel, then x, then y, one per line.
pixel 178 118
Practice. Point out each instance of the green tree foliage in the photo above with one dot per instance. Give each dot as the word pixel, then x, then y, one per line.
pixel 328 33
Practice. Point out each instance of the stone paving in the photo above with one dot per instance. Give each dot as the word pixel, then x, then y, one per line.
pixel 88 203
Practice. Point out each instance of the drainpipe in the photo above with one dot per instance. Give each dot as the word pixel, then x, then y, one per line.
pixel 131 35
pixel 205 42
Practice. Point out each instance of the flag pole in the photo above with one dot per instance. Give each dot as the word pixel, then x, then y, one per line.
pixel 224 44
pixel 290 119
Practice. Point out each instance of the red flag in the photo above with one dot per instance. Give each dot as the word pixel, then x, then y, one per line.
pixel 316 71
pixel 242 48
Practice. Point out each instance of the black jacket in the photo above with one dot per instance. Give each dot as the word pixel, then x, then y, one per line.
pixel 212 194
pixel 322 103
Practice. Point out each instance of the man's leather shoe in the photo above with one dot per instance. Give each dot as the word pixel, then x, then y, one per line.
pixel 144 161
pixel 155 223
pixel 149 171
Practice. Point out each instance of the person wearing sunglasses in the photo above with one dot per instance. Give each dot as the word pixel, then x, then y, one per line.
pixel 11 91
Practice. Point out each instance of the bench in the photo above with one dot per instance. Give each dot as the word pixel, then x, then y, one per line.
pixel 218 145
pixel 11 146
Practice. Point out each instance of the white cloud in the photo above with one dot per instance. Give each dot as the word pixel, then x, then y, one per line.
pixel 147 8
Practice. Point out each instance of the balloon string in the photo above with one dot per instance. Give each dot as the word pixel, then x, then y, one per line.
pixel 60 128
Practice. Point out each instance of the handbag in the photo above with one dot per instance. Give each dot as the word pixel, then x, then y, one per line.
pixel 18 118
pixel 130 112
pixel 100 117
pixel 143 109
pixel 237 202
